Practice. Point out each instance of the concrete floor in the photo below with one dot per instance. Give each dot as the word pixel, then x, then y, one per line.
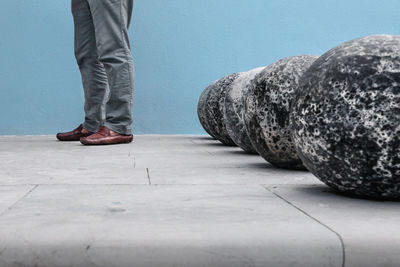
pixel 178 201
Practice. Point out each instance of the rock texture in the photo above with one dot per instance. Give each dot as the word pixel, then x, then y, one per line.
pixel 267 110
pixel 234 110
pixel 346 117
pixel 214 109
pixel 201 110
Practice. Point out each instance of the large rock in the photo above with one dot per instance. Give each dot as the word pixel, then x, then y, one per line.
pixel 201 110
pixel 267 110
pixel 346 117
pixel 234 110
pixel 214 109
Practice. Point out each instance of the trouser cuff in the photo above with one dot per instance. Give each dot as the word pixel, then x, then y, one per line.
pixel 119 129
pixel 90 127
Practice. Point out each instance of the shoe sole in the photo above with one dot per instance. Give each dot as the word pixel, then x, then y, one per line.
pixel 88 143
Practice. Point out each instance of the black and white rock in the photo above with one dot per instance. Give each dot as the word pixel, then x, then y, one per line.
pixel 346 118
pixel 267 110
pixel 234 110
pixel 214 109
pixel 201 110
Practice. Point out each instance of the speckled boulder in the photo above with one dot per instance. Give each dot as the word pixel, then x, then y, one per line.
pixel 346 117
pixel 234 110
pixel 267 110
pixel 214 109
pixel 201 110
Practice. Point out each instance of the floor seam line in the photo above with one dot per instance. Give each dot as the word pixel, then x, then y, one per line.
pixel 19 200
pixel 316 220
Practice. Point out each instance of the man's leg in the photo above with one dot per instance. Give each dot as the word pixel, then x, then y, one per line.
pixel 111 20
pixel 94 78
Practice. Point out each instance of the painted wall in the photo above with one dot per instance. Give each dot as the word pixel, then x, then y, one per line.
pixel 180 46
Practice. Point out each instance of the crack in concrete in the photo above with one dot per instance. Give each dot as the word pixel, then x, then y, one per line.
pixel 148 175
pixel 209 153
pixel 16 202
pixel 87 250
pixel 134 159
pixel 316 220
pixel 205 150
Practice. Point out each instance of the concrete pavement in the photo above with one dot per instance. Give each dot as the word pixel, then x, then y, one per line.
pixel 178 201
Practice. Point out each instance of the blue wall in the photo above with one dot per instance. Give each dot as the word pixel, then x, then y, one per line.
pixel 180 46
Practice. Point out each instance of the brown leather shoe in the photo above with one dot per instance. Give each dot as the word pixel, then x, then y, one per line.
pixel 74 135
pixel 106 136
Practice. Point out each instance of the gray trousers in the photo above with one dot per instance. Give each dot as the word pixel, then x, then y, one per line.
pixel 103 53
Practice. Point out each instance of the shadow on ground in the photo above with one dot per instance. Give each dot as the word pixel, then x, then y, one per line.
pixel 326 191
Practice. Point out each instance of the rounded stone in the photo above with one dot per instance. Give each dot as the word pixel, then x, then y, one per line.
pixel 214 109
pixel 201 110
pixel 267 110
pixel 234 110
pixel 345 121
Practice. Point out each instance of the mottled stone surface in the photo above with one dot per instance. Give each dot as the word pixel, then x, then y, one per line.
pixel 346 117
pixel 201 110
pixel 214 109
pixel 267 110
pixel 234 110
